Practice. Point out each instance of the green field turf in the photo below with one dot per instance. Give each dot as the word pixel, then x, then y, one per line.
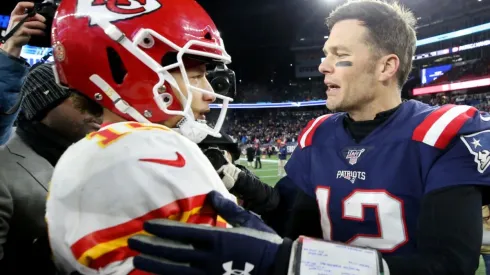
pixel 268 174
pixel 481 269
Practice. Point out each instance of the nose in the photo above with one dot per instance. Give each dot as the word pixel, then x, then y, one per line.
pixel 325 67
pixel 208 97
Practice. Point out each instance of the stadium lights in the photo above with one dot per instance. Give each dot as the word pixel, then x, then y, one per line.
pixel 455 34
pixel 453 50
pixel 268 105
pixel 452 86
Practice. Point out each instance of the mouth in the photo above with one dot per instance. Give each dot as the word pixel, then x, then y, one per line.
pixel 202 114
pixel 332 88
pixel 94 123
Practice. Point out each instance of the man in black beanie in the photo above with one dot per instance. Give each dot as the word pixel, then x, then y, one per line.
pixel 49 122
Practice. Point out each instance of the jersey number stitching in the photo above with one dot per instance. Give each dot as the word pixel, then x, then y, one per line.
pixel 392 231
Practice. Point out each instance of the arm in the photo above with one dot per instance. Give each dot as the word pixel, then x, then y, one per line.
pixel 12 74
pixel 6 212
pixel 284 207
pixel 449 232
pixel 256 195
pixel 449 235
pixel 13 69
pixel 303 218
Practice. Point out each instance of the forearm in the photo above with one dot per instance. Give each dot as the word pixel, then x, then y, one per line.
pixel 449 235
pixel 258 197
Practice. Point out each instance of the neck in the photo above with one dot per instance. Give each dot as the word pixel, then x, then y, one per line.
pixel 109 117
pixel 172 121
pixel 380 104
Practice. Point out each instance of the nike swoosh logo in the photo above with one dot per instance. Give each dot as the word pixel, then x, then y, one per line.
pixel 179 162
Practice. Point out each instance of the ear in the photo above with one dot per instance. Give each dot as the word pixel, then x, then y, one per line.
pixel 388 67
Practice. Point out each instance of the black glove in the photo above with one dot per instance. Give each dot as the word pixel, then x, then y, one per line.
pixel 216 157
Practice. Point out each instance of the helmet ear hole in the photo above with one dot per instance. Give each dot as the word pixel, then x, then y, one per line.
pixel 208 36
pixel 167 99
pixel 147 42
pixel 116 65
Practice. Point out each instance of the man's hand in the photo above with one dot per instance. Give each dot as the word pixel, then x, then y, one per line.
pixel 221 161
pixel 188 249
pixel 33 26
pixel 229 174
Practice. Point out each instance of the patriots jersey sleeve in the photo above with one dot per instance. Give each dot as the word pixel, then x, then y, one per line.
pixel 464 142
pixel 298 166
pixel 105 187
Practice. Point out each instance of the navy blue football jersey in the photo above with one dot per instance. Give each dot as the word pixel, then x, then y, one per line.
pixel 369 193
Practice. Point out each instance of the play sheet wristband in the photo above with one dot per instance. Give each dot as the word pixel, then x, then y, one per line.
pixel 318 257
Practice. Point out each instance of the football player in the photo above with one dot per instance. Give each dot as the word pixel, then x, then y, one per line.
pixel 403 178
pixel 144 63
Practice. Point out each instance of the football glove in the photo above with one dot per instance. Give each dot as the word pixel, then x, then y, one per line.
pixel 229 174
pixel 188 249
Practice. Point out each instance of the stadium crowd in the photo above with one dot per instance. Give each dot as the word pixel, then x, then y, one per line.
pixel 270 125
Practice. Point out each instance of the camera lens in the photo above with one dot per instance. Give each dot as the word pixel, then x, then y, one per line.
pixel 220 84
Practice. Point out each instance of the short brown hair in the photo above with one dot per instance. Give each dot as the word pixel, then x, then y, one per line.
pixel 391 29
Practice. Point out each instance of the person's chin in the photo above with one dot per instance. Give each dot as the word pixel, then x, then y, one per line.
pixel 332 105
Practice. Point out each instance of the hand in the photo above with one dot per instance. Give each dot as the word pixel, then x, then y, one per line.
pixel 229 174
pixel 33 26
pixel 236 215
pixel 189 249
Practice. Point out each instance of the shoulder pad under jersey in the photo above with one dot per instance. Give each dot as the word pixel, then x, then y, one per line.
pixel 305 138
pixel 443 124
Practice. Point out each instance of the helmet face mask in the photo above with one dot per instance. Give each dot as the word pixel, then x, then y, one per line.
pixel 146 91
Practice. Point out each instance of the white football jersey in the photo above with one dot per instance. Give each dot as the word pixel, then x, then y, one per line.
pixel 105 186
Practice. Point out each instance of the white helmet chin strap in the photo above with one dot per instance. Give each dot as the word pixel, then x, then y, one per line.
pixel 191 129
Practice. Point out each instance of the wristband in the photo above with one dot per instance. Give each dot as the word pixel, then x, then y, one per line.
pixel 315 257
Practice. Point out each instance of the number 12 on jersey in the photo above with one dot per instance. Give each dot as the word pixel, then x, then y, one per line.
pixel 392 232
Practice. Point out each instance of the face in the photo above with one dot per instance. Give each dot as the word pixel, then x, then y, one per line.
pixel 349 67
pixel 74 118
pixel 200 101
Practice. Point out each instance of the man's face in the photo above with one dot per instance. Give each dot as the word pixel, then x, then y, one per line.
pixel 200 101
pixel 69 120
pixel 348 67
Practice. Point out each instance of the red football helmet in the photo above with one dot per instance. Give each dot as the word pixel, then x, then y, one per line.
pixel 117 53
